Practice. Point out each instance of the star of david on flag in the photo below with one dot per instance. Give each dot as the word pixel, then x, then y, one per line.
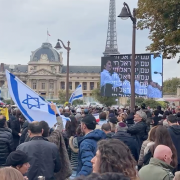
pixel 32 106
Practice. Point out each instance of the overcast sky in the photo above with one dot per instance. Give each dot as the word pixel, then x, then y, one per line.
pixel 24 23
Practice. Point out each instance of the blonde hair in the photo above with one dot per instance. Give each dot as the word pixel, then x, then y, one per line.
pixel 9 173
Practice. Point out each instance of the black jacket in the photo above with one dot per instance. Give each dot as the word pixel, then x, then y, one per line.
pixel 44 158
pixel 110 135
pixel 174 132
pixel 11 119
pixel 127 139
pixel 139 131
pixel 6 144
pixel 16 128
pixel 24 132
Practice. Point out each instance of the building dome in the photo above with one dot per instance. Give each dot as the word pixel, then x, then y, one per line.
pixel 45 52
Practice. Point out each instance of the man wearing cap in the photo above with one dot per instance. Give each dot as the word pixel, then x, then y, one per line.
pixel 126 138
pixel 88 144
pixel 139 129
pixel 18 160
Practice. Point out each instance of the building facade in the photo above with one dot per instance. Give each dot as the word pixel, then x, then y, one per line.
pixel 46 74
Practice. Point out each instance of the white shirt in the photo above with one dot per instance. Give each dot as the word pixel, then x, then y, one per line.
pixel 107 78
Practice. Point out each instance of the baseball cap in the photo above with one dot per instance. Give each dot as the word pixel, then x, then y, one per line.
pixel 113 120
pixel 89 121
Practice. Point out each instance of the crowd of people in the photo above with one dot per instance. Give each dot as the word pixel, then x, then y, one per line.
pixel 121 145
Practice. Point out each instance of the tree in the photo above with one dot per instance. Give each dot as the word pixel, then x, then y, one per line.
pixel 162 17
pixel 62 96
pixel 108 101
pixel 138 101
pixel 170 85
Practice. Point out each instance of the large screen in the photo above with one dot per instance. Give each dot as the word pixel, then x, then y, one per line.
pixel 116 75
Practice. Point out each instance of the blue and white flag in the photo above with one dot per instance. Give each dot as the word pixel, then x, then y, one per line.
pixel 32 106
pixel 77 94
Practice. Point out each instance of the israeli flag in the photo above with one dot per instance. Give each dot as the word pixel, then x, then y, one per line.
pixel 32 106
pixel 77 94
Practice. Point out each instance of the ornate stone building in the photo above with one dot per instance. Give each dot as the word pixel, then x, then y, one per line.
pixel 46 74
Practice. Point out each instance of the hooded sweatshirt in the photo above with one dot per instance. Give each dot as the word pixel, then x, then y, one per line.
pixel 174 132
pixel 87 150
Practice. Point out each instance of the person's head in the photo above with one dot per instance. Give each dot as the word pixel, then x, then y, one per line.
pixel 22 118
pixel 108 65
pixel 61 110
pixel 71 126
pixel 102 116
pixel 143 106
pixel 9 173
pixel 114 156
pixel 121 127
pixel 152 134
pixel 106 128
pixel 88 123
pixel 113 121
pixel 159 108
pixel 18 113
pixel 35 129
pixel 140 116
pixel 163 153
pixel 19 160
pixel 2 121
pixel 45 127
pixel 105 176
pixel 156 113
pixel 172 120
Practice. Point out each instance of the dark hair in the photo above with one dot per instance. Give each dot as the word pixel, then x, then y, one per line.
pixel 102 116
pixel 159 108
pixel 35 127
pixel 143 106
pixel 115 156
pixel 78 131
pixel 71 126
pixel 2 121
pixel 173 119
pixel 18 113
pixel 22 117
pixel 156 112
pixel 45 128
pixel 105 176
pixel 106 127
pixel 162 137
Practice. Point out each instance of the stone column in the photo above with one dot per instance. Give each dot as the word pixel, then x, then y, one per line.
pixel 88 86
pixel 73 85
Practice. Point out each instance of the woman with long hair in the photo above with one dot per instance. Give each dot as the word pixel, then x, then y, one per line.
pixel 9 173
pixel 162 137
pixel 151 138
pixel 114 156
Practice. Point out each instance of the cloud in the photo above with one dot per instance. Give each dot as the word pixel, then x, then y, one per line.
pixel 83 22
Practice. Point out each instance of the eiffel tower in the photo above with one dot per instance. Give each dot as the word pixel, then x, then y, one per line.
pixel 111 42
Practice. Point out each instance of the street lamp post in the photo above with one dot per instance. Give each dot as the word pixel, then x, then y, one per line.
pixel 58 46
pixel 125 14
pixel 155 72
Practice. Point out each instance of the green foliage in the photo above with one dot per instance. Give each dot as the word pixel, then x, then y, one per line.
pixel 108 101
pixel 62 96
pixel 138 101
pixel 8 101
pixel 162 18
pixel 149 102
pixel 77 102
pixel 170 85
